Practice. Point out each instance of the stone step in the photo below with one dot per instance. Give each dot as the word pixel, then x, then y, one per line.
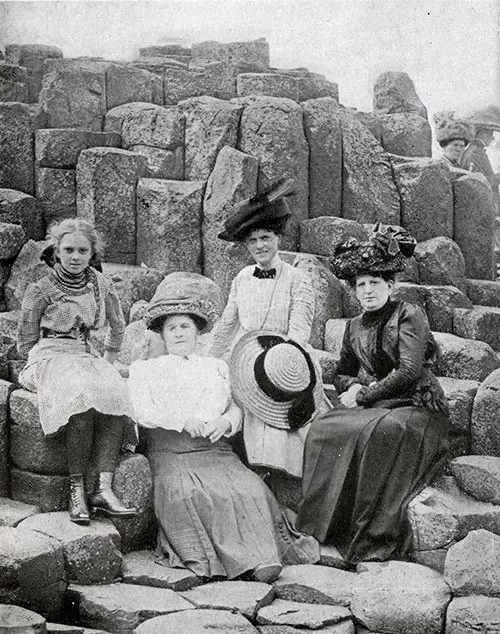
pixel 304 615
pixel 194 621
pixel 141 568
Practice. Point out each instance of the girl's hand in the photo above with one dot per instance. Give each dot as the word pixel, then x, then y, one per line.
pixel 195 427
pixel 216 428
pixel 348 399
pixel 110 356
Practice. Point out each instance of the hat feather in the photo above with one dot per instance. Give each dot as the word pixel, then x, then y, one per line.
pixel 283 187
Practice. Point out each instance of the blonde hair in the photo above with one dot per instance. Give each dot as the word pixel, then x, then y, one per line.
pixel 76 225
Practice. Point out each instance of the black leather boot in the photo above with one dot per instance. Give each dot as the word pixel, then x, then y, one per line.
pixel 78 509
pixel 105 502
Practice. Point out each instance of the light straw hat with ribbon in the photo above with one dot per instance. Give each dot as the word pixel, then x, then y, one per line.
pixel 275 379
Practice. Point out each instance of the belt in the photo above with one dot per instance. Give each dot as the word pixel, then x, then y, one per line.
pixel 75 333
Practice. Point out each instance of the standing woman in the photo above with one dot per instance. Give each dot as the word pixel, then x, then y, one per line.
pixel 272 296
pixel 78 390
pixel 365 461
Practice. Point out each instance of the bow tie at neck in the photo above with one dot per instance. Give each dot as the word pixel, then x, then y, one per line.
pixel 264 274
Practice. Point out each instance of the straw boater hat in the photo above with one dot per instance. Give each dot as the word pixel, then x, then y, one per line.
pixel 488 117
pixel 186 293
pixel 384 252
pixel 275 379
pixel 268 206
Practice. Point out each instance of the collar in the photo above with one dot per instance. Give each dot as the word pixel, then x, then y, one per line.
pixel 276 263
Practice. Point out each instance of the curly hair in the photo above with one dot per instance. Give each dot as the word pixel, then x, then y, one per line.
pixel 58 230
pixel 157 324
pixel 276 226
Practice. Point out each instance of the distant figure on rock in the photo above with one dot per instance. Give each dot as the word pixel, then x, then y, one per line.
pixel 217 518
pixel 78 391
pixel 272 296
pixel 366 459
pixel 453 136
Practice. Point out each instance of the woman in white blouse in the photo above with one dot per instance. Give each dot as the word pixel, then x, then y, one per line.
pixel 216 517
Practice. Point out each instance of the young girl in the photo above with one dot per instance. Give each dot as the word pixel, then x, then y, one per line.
pixel 78 390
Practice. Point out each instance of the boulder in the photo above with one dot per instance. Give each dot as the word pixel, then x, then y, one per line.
pixel 406 134
pixel 169 224
pixel 212 78
pixel 213 621
pixel 440 261
pixel 121 607
pixel 143 568
pixel 401 597
pixel 369 193
pixel 471 565
pixel 484 292
pixel 154 126
pixel 32 57
pixel 272 131
pixel 442 303
pixel 12 512
pixel 22 209
pixel 464 358
pixel 233 178
pixel 302 615
pixel 5 390
pixel 478 476
pixel 61 147
pixel 395 92
pixel 334 334
pixel 73 94
pixel 126 83
pixel 91 553
pixel 32 571
pixel 18 122
pixel 469 615
pixel 350 303
pixel 306 583
pixel 321 236
pixel 424 185
pixel 315 86
pixel 13 83
pixel 485 435
pixel 26 269
pixel 56 193
pixel 116 116
pixel 14 619
pixel 242 597
pixel 106 180
pixel 140 343
pixel 411 293
pixel 270 84
pixel 254 53
pixel 12 239
pixel 481 323
pixel 168 164
pixel 460 394
pixel 132 283
pixel 432 526
pixel 48 492
pixel 474 213
pixel 324 137
pixel 211 124
pixel 371 121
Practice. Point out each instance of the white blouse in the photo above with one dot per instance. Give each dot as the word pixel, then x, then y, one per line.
pixel 167 390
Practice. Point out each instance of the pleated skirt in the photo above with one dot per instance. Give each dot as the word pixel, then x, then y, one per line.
pixel 361 469
pixel 216 517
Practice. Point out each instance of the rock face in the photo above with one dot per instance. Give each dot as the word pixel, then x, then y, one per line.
pixel 395 92
pixel 484 292
pixel 485 435
pixel 169 223
pixel 270 84
pixel 471 565
pixel 255 54
pixel 369 193
pixel 234 178
pixel 12 512
pixel 32 57
pixel 48 492
pixel 21 209
pixel 465 358
pixel 116 116
pixel 214 621
pixel 61 147
pixel 153 126
pixel 211 124
pixel 442 303
pixel 27 268
pixel 322 235
pixel 12 239
pixel 16 619
pixel 478 476
pixel 106 196
pixel 212 78
pixel 472 194
pixel 440 261
pixel 56 193
pixel 126 83
pixel 426 197
pixel 13 83
pixel 324 137
pixel 468 615
pixel 460 395
pixel 406 134
pixel 481 323
pixel 272 131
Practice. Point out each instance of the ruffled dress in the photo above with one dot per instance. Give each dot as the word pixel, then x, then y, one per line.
pixel 216 517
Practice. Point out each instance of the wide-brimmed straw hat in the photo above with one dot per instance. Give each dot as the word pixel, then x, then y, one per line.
pixel 488 117
pixel 268 206
pixel 186 293
pixel 275 379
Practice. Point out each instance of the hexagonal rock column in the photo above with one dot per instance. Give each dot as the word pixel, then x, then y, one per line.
pixel 27 268
pixel 32 571
pixel 169 224
pixel 22 209
pixel 469 615
pixel 48 492
pixel 126 83
pixel 406 134
pixel 426 196
pixel 254 53
pixel 306 583
pixel 73 94
pixel 460 394
pixel 481 323
pixel 5 389
pixel 106 180
pixel 304 615
pixel 18 123
pixel 15 619
pixel 324 137
pixel 441 304
pixel 13 83
pixel 233 178
pixel 369 193
pixel 400 597
pixel 32 57
pixel 116 116
pixel 211 124
pixel 214 621
pixel 464 358
pixel 61 147
pixel 395 92
pixel 314 86
pixel 322 235
pixel 485 434
pixel 141 568
pixel 474 216
pixel 270 84
pixel 272 131
pixel 484 292
pixel 471 565
pixel 56 193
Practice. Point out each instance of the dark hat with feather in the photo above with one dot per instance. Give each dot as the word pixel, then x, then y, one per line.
pixel 385 252
pixel 268 206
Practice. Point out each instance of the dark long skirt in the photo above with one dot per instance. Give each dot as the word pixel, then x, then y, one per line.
pixel 361 469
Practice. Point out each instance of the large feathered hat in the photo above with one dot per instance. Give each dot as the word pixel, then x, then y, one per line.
pixel 384 252
pixel 267 206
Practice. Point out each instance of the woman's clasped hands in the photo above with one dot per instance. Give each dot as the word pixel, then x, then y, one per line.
pixel 212 429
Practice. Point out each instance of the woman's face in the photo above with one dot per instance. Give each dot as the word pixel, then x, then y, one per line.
pixel 372 291
pixel 74 251
pixel 262 245
pixel 454 150
pixel 180 334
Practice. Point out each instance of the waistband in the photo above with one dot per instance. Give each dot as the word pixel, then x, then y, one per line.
pixel 81 333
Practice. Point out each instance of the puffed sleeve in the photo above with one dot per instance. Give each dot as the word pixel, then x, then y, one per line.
pixel 116 320
pixel 348 366
pixel 32 309
pixel 413 334
pixel 227 325
pixel 301 308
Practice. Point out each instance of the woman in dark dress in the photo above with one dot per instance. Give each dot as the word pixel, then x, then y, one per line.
pixel 365 461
